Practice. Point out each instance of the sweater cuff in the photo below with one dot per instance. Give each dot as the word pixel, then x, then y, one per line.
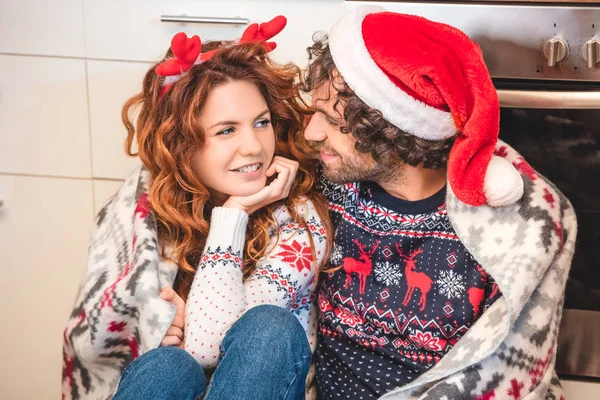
pixel 227 229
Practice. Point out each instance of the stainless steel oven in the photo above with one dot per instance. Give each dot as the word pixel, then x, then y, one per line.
pixel 544 59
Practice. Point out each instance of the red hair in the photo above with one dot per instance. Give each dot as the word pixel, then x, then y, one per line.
pixel 168 134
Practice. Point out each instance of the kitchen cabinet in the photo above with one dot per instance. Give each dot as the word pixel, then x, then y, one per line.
pixel 42 27
pixel 44 114
pixel 44 230
pixel 110 84
pixel 137 34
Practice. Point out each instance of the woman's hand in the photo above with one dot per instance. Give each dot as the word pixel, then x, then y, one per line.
pixel 278 189
pixel 174 336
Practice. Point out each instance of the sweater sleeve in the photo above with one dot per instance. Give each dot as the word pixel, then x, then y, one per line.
pixel 219 295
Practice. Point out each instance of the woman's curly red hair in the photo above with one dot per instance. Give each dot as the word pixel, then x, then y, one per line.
pixel 168 133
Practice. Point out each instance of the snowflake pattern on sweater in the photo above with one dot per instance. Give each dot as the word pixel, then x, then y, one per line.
pixel 407 290
pixel 527 247
pixel 285 277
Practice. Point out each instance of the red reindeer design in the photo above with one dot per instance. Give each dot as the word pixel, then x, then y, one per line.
pixel 363 266
pixel 476 295
pixel 415 279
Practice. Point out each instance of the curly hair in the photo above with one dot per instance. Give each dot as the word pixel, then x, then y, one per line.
pixel 168 133
pixel 373 133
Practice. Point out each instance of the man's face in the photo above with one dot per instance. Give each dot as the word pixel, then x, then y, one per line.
pixel 341 161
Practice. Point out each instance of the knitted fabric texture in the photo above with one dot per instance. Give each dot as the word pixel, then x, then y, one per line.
pixel 118 314
pixel 527 248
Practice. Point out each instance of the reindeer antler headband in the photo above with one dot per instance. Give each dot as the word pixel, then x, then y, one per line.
pixel 187 50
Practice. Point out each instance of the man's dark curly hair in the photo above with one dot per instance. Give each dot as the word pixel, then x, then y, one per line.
pixel 373 133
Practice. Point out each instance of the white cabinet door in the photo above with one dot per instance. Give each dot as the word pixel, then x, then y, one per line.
pixel 111 83
pixel 44 114
pixel 304 19
pixel 44 231
pixel 137 33
pixel 44 27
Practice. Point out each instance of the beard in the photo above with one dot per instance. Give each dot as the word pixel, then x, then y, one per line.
pixel 361 167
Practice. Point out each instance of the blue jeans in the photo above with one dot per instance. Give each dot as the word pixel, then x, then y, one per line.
pixel 265 355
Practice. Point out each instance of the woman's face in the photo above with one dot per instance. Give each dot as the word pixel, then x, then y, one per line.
pixel 240 141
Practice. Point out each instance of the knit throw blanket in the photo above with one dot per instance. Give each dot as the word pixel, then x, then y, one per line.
pixel 509 353
pixel 118 314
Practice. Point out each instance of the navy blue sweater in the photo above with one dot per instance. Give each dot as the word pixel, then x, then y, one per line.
pixel 405 292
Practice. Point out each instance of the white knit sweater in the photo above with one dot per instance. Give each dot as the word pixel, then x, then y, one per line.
pixel 285 277
pixel 118 314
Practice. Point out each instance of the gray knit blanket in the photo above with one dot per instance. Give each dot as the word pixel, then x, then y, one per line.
pixel 527 247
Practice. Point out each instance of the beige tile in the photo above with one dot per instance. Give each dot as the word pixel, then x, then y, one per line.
pixel 44 114
pixel 111 83
pixel 103 192
pixel 44 231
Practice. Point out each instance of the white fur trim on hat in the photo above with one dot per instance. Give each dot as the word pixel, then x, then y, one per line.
pixel 503 184
pixel 372 86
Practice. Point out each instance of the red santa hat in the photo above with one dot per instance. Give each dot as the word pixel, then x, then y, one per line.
pixel 429 80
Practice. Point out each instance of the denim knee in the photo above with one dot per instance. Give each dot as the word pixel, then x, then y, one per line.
pixel 171 359
pixel 273 328
pixel 264 355
pixel 171 368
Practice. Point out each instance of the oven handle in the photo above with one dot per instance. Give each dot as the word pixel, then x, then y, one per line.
pixel 548 99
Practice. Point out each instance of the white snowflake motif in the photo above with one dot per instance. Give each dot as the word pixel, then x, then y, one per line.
pixel 388 273
pixel 386 215
pixel 451 284
pixel 336 256
pixel 382 214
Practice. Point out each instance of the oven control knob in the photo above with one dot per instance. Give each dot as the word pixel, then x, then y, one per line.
pixel 591 52
pixel 555 51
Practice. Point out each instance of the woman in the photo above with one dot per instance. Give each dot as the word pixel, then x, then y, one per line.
pixel 208 255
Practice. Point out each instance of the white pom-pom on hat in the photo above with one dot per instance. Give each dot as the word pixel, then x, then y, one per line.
pixel 503 184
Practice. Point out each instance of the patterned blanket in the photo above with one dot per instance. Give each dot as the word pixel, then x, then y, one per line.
pixel 509 353
pixel 118 314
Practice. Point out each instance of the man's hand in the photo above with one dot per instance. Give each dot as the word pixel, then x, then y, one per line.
pixel 174 336
pixel 278 189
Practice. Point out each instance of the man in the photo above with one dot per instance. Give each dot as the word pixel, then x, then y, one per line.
pixel 449 265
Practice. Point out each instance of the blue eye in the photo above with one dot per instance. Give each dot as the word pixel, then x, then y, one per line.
pixel 263 123
pixel 226 131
